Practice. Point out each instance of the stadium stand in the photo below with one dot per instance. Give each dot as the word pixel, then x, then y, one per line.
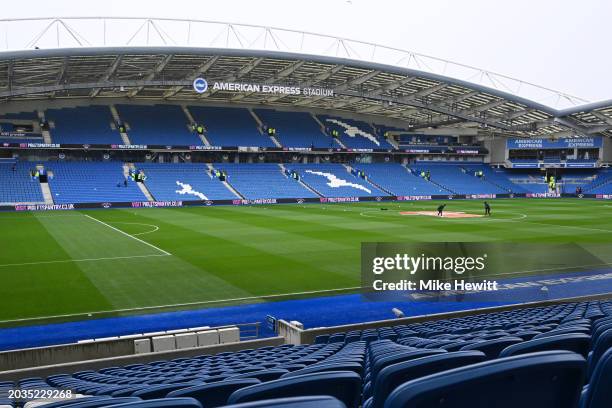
pixel 399 180
pixel 355 134
pixel 466 361
pixel 496 177
pixel 197 182
pixel 7 122
pixel 90 182
pixel 229 126
pixel 80 182
pixel 295 129
pixel 457 179
pixel 157 125
pixel 334 180
pixel 264 180
pixel 82 125
pixel 16 184
pixel 602 184
pixel 532 182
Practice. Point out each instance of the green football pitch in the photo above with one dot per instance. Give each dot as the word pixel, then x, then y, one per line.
pixel 66 265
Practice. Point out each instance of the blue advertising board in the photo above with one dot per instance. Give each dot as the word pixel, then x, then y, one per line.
pixel 561 143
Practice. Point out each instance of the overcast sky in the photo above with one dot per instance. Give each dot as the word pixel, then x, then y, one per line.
pixel 561 44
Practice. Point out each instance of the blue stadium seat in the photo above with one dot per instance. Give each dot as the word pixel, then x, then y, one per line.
pixel 578 343
pixel 328 366
pixel 262 375
pixel 294 402
pixel 343 385
pixel 597 393
pixel 493 347
pixel 392 376
pixel 214 394
pixel 161 390
pixel 551 379
pixel 98 403
pixel 82 125
pixel 602 344
pixel 396 357
pixel 84 400
pixel 229 126
pixel 158 125
pixel 161 403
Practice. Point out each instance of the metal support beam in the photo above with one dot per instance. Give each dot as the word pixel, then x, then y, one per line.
pixel 280 75
pixel 318 78
pixel 88 85
pixel 201 70
pixel 241 72
pixel 107 75
pixel 158 68
pixel 346 85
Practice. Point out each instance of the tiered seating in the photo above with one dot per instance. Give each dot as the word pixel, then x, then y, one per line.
pixel 532 182
pixel 497 177
pixel 82 125
pixel 157 125
pixel 7 126
pixel 90 182
pixel 556 356
pixel 399 180
pixel 229 126
pixel 573 179
pixel 454 178
pixel 263 180
pixel 162 182
pixel 355 134
pixel 295 129
pixel 601 185
pixel 17 186
pixel 333 180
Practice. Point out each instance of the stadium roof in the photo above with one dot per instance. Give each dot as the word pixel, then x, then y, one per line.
pixel 141 59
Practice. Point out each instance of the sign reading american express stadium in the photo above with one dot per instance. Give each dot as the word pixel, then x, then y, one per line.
pixel 561 143
pixel 201 86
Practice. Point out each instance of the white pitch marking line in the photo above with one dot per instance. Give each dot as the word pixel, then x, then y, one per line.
pixel 128 235
pixel 563 226
pixel 135 309
pixel 155 227
pixel 80 260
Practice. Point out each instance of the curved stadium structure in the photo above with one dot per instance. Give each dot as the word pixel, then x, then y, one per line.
pixel 224 297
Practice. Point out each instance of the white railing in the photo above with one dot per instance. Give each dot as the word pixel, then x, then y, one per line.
pixel 66 32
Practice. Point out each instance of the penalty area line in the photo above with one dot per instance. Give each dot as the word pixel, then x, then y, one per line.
pixel 128 235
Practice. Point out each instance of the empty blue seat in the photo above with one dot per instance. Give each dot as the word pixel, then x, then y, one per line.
pixel 578 343
pixel 343 385
pixel 294 402
pixel 317 368
pixel 321 339
pixel 214 394
pixel 394 375
pixel 68 402
pixel 394 358
pixel 160 391
pixel 597 393
pixel 564 330
pixel 161 403
pixel 263 375
pixel 492 348
pixel 601 345
pixel 104 402
pixel 549 379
